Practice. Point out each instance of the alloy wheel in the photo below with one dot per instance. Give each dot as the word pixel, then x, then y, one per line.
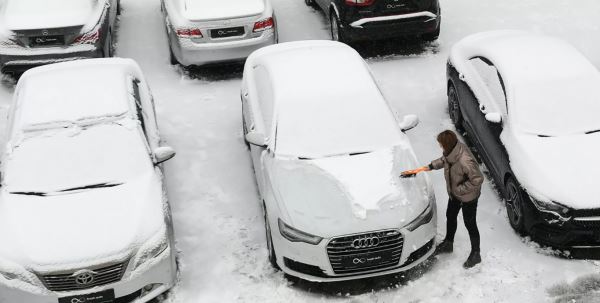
pixel 514 205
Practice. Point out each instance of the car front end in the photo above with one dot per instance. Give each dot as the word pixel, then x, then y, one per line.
pixel 357 255
pixel 382 19
pixel 200 40
pixel 24 47
pixel 136 278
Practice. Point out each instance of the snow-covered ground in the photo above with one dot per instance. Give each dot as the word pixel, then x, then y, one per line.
pixel 217 216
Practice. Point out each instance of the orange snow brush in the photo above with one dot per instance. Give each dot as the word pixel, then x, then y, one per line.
pixel 414 172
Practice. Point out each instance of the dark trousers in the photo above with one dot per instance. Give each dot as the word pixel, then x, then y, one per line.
pixel 469 215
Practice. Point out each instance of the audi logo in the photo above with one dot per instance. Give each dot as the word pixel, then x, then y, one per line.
pixel 366 242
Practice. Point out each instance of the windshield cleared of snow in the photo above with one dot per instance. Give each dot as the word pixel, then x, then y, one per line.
pixel 62 160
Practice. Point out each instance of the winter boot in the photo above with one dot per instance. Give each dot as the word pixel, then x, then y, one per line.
pixel 445 247
pixel 474 259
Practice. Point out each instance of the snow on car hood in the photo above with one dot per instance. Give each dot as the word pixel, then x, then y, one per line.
pixel 349 194
pixel 205 10
pixel 560 169
pixel 80 228
pixel 44 14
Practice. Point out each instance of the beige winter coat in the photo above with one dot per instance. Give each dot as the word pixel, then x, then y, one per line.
pixel 463 177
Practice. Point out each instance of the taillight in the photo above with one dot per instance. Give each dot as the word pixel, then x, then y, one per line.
pixel 264 25
pixel 359 2
pixel 189 33
pixel 89 38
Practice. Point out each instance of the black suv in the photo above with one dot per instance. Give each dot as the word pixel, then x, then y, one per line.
pixel 355 20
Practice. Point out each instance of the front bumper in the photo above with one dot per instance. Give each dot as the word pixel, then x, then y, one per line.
pixel 392 26
pixel 20 59
pixel 162 272
pixel 311 262
pixel 189 53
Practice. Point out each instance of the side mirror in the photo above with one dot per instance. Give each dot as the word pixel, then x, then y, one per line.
pixel 163 154
pixel 257 139
pixel 409 122
pixel 493 117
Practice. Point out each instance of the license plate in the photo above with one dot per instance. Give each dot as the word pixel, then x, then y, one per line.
pixel 47 40
pixel 227 32
pixel 367 260
pixel 107 296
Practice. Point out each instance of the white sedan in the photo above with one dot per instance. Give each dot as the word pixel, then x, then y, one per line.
pixel 328 152
pixel 204 31
pixel 84 216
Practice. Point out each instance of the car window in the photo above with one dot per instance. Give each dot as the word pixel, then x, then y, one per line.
pixel 494 84
pixel 138 105
pixel 265 97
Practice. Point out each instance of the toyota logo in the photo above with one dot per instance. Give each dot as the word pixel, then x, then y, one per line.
pixel 85 278
pixel 366 242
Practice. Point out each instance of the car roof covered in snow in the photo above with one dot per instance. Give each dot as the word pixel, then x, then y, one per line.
pixel 73 91
pixel 326 100
pixel 523 56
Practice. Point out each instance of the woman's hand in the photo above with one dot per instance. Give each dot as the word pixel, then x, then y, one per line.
pixel 414 172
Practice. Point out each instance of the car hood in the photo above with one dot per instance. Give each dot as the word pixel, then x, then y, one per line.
pixel 46 14
pixel 349 194
pixel 560 169
pixel 62 231
pixel 206 10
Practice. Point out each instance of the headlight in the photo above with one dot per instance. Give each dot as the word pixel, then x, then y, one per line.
pixel 152 249
pixel 295 235
pixel 551 207
pixel 424 218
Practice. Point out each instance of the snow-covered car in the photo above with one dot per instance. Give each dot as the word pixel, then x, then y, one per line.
pixel 327 158
pixel 204 31
pixel 84 215
pixel 529 103
pixel 38 32
pixel 356 20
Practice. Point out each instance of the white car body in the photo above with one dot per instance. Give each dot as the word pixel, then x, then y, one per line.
pixel 194 26
pixel 549 121
pixel 83 207
pixel 327 153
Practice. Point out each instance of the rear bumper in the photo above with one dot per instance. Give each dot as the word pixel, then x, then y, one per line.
pixel 392 26
pixel 163 273
pixel 189 53
pixel 18 60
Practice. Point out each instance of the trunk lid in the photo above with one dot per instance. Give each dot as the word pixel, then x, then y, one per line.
pixel 207 10
pixel 22 15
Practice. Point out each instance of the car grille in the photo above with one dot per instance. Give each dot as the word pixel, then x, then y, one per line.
pixel 369 255
pixel 67 281
pixel 595 225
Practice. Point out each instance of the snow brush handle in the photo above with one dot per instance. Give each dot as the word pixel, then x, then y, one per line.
pixel 413 173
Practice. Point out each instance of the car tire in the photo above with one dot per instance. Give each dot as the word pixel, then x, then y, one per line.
pixel 108 50
pixel 515 205
pixel 430 37
pixel 270 247
pixel 336 32
pixel 454 110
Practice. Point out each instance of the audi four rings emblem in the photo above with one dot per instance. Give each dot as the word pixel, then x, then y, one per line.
pixel 366 242
pixel 85 278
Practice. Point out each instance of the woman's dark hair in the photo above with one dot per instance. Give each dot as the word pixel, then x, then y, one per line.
pixel 448 141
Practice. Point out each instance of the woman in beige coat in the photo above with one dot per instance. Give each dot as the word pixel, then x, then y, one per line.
pixel 463 183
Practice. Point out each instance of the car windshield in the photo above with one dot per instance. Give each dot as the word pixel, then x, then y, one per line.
pixel 324 132
pixel 62 161
pixel 558 110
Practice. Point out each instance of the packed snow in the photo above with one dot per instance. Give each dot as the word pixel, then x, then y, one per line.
pixel 205 10
pixel 36 14
pixel 218 219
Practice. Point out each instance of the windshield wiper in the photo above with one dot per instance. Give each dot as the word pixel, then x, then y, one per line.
pixel 29 193
pixel 92 186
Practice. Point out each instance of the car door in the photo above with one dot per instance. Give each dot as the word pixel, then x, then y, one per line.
pixel 492 101
pixel 260 113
